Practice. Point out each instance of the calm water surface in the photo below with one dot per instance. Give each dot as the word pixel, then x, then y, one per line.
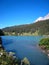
pixel 26 46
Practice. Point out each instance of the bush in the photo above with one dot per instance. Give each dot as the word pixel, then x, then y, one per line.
pixel 45 43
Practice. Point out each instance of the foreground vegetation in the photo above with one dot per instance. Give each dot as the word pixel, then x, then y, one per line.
pixel 9 58
pixel 44 45
pixel 6 59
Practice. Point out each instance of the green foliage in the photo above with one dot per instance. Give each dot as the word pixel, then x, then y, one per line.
pixel 1 33
pixel 44 42
pixel 8 59
pixel 5 59
pixel 39 28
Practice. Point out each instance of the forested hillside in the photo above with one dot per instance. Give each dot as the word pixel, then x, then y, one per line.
pixel 40 28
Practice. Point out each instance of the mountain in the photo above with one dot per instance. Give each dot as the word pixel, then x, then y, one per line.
pixel 40 27
pixel 42 18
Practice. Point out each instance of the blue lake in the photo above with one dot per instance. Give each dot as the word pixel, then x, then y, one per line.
pixel 26 46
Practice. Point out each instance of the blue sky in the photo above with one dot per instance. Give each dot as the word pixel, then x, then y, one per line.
pixel 17 12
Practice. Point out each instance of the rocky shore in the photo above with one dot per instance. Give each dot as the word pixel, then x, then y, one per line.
pixel 44 50
pixel 9 58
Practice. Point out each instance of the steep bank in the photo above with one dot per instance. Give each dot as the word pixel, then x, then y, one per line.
pixel 45 51
pixel 1 46
pixel 44 45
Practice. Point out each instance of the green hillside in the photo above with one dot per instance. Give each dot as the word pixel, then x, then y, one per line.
pixel 37 28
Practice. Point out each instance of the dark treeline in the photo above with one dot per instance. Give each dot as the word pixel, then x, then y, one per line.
pixel 41 26
pixel 1 33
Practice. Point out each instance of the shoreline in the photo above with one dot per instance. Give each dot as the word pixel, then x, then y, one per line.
pixel 1 46
pixel 11 56
pixel 8 55
pixel 45 51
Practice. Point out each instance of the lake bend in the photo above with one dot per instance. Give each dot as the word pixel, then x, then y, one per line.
pixel 26 46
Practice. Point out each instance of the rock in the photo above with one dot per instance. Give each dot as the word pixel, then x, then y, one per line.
pixel 47 51
pixel 48 55
pixel 25 61
pixel 14 57
pixel 43 51
pixel 11 53
pixel 1 54
pixel 43 47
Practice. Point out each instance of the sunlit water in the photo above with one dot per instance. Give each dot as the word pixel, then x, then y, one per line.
pixel 26 46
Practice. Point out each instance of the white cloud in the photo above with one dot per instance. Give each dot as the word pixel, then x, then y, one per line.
pixel 38 19
pixel 47 16
pixel 42 18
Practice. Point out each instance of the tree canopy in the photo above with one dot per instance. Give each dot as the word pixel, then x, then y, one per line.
pixel 44 42
pixel 40 27
pixel 1 33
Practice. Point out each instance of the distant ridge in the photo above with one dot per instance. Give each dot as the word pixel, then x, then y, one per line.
pixel 42 28
pixel 42 18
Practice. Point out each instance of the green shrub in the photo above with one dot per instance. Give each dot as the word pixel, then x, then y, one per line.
pixel 44 41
